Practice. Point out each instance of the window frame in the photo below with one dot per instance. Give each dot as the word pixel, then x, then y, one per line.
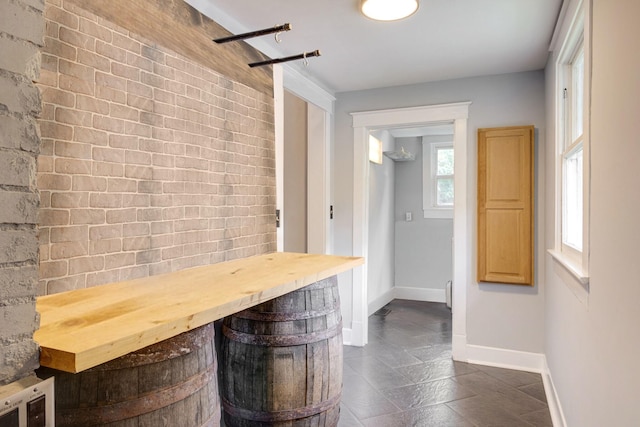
pixel 572 144
pixel 430 145
pixel 577 39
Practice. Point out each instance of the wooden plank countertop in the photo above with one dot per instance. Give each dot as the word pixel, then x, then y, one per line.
pixel 83 328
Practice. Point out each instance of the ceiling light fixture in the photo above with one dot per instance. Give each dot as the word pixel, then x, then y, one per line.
pixel 388 10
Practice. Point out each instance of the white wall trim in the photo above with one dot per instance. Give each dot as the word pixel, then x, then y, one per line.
pixel 360 234
pixel 459 347
pixel 566 17
pixel 420 294
pixel 380 119
pixel 304 88
pixel 278 107
pixel 357 333
pixel 381 301
pixel 320 122
pixel 462 239
pixel 363 123
pixel 553 401
pixel 347 336
pixel 505 358
pixel 408 293
pixel 521 361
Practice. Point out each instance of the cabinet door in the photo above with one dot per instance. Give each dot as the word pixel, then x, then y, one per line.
pixel 505 205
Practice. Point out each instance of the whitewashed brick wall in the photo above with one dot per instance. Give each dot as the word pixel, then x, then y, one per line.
pixel 149 163
pixel 21 33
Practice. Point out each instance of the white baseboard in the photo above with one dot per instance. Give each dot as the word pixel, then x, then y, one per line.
pixel 354 336
pixel 459 347
pixel 406 292
pixel 347 336
pixel 381 301
pixel 512 359
pixel 504 358
pixel 420 294
pixel 555 409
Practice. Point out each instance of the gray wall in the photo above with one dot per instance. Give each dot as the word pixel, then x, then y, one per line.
pixel 499 316
pixel 423 245
pixel 381 230
pixel 22 21
pixel 593 347
pixel 295 174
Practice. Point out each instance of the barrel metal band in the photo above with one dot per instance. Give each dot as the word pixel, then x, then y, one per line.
pixel 281 340
pixel 272 316
pixel 171 348
pixel 143 404
pixel 285 415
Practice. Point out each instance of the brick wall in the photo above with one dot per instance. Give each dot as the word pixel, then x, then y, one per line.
pixel 21 31
pixel 149 163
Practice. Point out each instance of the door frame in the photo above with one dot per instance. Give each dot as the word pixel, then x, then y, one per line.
pixel 320 118
pixel 363 123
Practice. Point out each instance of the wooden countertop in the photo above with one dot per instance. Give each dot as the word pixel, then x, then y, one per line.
pixel 83 328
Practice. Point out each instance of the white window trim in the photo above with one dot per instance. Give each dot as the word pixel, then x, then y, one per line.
pixel 575 28
pixel 428 186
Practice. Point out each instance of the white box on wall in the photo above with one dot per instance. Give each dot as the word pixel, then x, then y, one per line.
pixel 27 402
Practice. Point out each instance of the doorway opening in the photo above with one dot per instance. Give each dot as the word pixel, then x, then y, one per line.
pixel 310 164
pixel 363 124
pixel 410 214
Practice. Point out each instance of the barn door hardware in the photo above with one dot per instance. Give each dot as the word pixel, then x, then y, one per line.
pixel 277 30
pixel 304 56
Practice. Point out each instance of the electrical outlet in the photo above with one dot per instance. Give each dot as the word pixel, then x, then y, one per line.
pixel 37 412
pixel 408 216
pixel 10 419
pixel 27 403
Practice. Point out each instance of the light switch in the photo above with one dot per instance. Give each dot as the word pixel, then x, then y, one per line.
pixel 408 216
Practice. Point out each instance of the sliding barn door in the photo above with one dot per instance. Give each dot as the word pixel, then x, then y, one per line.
pixel 505 205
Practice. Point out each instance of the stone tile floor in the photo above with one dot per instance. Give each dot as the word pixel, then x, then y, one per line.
pixel 405 377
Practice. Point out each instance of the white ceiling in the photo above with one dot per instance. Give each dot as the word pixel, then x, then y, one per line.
pixel 445 39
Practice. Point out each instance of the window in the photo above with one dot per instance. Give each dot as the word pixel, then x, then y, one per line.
pixel 442 157
pixel 572 141
pixel 572 155
pixel 438 163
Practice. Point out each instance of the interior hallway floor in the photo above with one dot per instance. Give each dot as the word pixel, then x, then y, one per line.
pixel 405 377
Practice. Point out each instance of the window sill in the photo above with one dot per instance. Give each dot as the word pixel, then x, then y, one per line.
pixel 438 213
pixel 572 267
pixel 577 278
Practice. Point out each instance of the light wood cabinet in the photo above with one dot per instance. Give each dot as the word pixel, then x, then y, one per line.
pixel 505 205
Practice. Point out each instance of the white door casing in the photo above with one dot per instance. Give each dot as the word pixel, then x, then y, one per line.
pixel 363 123
pixel 320 116
pixel 278 112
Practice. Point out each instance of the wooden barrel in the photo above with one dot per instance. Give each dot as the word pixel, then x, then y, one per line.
pixel 171 383
pixel 281 361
